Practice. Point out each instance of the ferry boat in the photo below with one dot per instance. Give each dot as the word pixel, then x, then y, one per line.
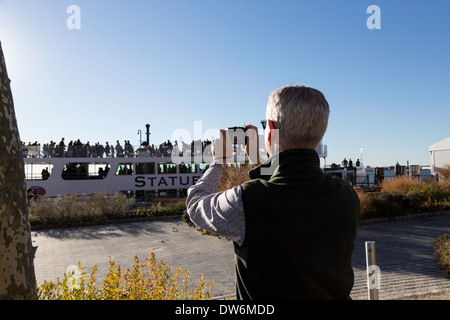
pixel 142 178
pixel 142 175
pixel 81 170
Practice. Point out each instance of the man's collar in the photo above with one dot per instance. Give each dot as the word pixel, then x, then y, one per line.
pixel 271 166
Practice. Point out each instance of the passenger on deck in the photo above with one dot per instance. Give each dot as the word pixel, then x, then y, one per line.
pixel 119 150
pixel 51 148
pixel 345 163
pixel 107 149
pixel 45 150
pixel 70 149
pixel 62 148
pixel 76 148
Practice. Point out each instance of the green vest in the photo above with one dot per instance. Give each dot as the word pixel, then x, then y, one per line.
pixel 300 230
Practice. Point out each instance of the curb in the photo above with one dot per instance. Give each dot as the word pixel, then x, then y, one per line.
pixel 366 222
pixel 362 222
pixel 106 222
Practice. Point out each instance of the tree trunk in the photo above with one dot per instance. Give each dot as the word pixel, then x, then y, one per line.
pixel 17 278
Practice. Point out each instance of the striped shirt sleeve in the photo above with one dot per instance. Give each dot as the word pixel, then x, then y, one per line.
pixel 219 212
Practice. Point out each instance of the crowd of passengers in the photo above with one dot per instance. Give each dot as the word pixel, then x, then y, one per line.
pixel 77 149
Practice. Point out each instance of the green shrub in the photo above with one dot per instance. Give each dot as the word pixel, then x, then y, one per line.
pixel 401 183
pixel 442 253
pixel 392 204
pixel 387 204
pixel 436 194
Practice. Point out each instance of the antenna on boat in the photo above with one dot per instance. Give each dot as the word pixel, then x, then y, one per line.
pixel 148 134
pixel 360 154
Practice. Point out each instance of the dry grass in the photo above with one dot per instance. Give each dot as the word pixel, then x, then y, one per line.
pixel 404 195
pixel 445 173
pixel 401 184
pixel 94 205
pixel 71 211
pixel 365 202
pixel 234 176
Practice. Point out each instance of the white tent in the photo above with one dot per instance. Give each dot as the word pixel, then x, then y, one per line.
pixel 439 155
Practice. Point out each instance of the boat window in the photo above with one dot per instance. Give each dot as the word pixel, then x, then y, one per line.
pixel 85 171
pixel 38 171
pixel 183 193
pixel 124 169
pixel 188 168
pixel 145 195
pixel 145 168
pixel 166 167
pixel 167 193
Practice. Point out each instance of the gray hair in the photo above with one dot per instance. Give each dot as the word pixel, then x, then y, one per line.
pixel 300 113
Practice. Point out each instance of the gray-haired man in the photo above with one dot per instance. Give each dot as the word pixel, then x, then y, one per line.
pixel 294 228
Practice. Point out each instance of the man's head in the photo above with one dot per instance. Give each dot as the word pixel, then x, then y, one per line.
pixel 300 114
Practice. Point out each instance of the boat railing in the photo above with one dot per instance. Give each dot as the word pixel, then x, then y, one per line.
pixel 197 155
pixel 35 151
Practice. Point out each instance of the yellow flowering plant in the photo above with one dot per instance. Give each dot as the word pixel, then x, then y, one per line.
pixel 145 281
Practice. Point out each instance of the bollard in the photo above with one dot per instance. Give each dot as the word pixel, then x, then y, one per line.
pixel 373 271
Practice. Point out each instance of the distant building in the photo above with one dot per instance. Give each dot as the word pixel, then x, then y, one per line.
pixel 439 155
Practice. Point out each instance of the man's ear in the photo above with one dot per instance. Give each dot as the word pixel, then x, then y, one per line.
pixel 271 127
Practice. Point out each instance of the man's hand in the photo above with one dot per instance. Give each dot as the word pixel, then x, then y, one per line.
pixel 252 144
pixel 221 147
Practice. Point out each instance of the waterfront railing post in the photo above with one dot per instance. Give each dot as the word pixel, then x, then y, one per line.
pixel 373 271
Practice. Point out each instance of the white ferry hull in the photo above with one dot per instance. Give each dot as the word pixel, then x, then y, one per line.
pixel 132 182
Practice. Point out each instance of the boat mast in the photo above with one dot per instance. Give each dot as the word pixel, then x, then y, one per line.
pixel 148 134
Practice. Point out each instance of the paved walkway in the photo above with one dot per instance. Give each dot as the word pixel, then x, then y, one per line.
pixel 404 253
pixel 405 256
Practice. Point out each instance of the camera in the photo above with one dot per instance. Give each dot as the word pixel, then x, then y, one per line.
pixel 236 128
pixel 235 133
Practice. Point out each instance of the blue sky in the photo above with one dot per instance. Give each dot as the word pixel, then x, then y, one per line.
pixel 173 62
